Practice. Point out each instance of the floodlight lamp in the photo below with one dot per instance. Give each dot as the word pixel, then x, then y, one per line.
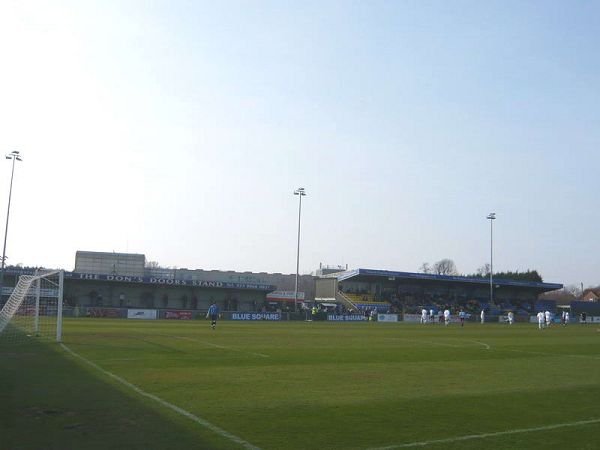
pixel 491 216
pixel 14 155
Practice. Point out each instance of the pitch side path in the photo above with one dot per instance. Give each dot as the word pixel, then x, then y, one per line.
pixel 180 385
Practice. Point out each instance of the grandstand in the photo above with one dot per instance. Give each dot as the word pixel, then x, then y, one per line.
pixel 367 301
pixel 409 292
pixel 108 284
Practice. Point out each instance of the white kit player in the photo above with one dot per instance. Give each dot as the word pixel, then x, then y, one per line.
pixel 482 316
pixel 548 317
pixel 423 315
pixel 431 317
pixel 446 317
pixel 511 317
pixel 566 318
pixel 540 318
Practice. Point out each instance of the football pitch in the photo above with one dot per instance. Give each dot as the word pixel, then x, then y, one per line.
pixel 297 385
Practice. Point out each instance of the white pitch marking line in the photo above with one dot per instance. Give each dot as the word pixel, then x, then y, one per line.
pixel 487 435
pixel 262 355
pixel 487 347
pixel 123 359
pixel 199 420
pixel 426 342
pixel 557 354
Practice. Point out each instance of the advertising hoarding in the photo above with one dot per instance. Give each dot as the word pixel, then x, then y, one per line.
pixel 147 314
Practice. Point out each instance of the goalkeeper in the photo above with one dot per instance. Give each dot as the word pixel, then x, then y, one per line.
pixel 213 313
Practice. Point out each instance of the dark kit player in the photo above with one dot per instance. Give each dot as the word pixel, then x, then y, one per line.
pixel 213 313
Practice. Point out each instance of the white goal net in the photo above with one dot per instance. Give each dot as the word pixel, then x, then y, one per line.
pixel 34 308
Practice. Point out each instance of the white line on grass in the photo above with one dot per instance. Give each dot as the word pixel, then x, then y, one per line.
pixel 210 344
pixel 420 341
pixel 199 420
pixel 124 359
pixel 488 435
pixel 487 347
pixel 557 354
pixel 443 344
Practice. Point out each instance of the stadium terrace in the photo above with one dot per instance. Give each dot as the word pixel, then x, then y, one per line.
pixel 409 292
pixel 107 284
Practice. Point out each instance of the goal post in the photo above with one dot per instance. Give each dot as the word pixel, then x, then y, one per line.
pixel 34 308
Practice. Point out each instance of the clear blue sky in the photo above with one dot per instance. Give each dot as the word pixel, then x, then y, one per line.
pixel 180 129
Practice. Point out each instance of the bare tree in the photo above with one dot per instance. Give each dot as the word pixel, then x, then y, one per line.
pixel 425 268
pixel 562 295
pixel 572 289
pixel 152 264
pixel 445 267
pixel 483 270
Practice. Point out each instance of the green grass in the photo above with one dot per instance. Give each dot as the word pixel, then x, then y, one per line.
pixel 302 386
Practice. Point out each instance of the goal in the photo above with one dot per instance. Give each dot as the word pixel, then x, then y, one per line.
pixel 34 308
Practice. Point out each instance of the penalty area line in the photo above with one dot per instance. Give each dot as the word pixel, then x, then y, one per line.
pixel 199 420
pixel 488 435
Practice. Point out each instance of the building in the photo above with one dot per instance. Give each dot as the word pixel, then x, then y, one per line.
pixel 408 291
pixel 130 264
pixel 591 295
pixel 124 280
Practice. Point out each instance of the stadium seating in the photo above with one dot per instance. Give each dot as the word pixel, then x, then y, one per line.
pixel 360 298
pixel 379 306
pixel 471 305
pixel 545 305
pixel 367 302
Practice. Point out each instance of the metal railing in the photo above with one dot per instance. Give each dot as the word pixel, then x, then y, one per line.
pixel 343 299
